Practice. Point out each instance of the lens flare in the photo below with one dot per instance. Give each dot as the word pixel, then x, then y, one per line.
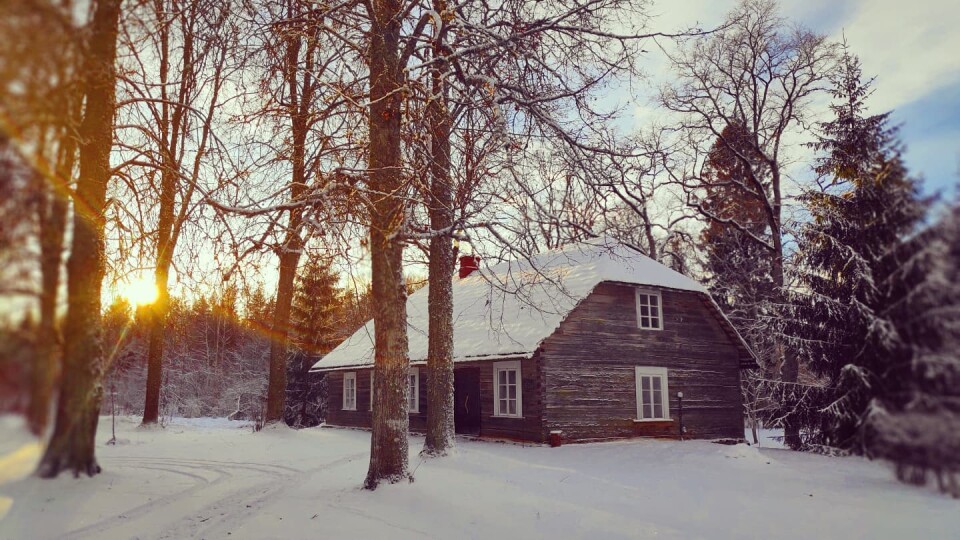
pixel 141 292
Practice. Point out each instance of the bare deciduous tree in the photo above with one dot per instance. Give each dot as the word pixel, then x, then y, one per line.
pixel 759 73
pixel 167 137
pixel 41 99
pixel 72 444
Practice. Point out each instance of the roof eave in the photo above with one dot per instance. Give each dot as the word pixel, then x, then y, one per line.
pixel 457 360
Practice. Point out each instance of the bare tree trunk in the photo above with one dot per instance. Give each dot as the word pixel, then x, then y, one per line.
pixel 53 223
pixel 789 364
pixel 277 386
pixel 300 100
pixel 53 217
pixel 158 311
pixel 388 442
pixel 169 138
pixel 156 320
pixel 440 429
pixel 72 444
pixel 177 98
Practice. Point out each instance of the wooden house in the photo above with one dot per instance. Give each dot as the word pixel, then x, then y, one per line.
pixel 595 340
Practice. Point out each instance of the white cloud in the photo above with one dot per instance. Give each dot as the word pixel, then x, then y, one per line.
pixel 911 47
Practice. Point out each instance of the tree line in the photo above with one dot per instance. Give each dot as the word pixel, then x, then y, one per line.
pixel 202 141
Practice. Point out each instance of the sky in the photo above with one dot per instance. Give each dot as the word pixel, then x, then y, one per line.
pixel 912 48
pixel 911 52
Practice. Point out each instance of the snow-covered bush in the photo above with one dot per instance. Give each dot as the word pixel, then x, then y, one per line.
pixel 920 445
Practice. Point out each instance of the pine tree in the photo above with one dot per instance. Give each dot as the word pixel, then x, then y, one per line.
pixel 861 264
pixel 316 315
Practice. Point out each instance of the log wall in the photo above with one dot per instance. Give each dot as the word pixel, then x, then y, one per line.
pixel 529 427
pixel 589 377
pixel 362 416
pixel 582 380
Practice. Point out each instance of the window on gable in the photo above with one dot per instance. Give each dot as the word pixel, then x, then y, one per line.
pixel 350 391
pixel 649 312
pixel 413 390
pixel 653 397
pixel 507 389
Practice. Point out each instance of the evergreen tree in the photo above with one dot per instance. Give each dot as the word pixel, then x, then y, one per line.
pixel 258 309
pixel 924 435
pixel 936 332
pixel 861 265
pixel 316 313
pixel 851 142
pixel 739 267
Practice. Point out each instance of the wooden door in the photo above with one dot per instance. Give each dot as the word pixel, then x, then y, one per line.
pixel 466 395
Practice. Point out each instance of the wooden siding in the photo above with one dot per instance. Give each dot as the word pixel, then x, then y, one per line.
pixel 590 381
pixel 582 381
pixel 361 417
pixel 529 427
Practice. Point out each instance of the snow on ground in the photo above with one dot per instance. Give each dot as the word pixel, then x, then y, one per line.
pixel 217 479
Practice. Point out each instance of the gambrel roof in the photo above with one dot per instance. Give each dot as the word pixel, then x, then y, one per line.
pixel 507 310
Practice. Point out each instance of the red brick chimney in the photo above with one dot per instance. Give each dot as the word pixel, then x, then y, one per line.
pixel 469 263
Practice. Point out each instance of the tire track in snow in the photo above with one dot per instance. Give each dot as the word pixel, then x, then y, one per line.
pixel 215 462
pixel 234 505
pixel 178 466
pixel 266 468
pixel 239 507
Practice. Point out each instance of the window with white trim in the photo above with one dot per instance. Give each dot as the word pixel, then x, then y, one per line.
pixel 649 312
pixel 653 397
pixel 413 390
pixel 507 389
pixel 350 391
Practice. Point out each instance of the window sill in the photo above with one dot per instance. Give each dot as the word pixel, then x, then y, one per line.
pixel 514 417
pixel 351 410
pixel 647 420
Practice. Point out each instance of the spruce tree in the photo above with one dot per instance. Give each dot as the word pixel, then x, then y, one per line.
pixel 923 435
pixel 315 313
pixel 861 264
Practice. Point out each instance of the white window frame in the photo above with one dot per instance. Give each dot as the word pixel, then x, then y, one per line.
pixel 650 371
pixel 513 365
pixel 352 377
pixel 659 307
pixel 415 396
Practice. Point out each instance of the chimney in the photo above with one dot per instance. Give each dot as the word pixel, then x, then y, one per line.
pixel 469 263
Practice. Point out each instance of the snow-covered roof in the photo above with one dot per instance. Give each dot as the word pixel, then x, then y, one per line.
pixel 507 310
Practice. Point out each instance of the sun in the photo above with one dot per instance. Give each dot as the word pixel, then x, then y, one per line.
pixel 140 292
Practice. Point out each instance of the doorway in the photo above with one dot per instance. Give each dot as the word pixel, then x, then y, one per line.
pixel 466 395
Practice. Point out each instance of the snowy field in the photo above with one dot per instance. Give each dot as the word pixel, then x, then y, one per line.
pixel 215 479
